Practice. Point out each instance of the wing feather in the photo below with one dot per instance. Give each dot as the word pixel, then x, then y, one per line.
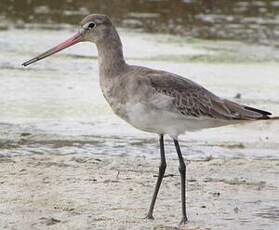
pixel 191 99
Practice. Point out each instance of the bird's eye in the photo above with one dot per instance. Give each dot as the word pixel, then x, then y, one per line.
pixel 91 25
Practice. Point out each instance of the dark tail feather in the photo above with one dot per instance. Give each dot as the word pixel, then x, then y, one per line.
pixel 265 114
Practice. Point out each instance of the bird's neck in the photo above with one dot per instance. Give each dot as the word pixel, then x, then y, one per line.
pixel 110 56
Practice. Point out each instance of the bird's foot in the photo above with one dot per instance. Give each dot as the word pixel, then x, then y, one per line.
pixel 149 217
pixel 184 220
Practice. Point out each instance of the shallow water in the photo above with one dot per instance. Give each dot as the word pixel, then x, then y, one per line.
pixel 245 20
pixel 55 106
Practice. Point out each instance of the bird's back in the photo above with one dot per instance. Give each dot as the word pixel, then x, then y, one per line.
pixel 191 99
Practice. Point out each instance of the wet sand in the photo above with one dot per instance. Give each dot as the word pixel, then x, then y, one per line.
pixel 113 192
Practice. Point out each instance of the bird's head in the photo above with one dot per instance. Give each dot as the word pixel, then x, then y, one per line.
pixel 94 28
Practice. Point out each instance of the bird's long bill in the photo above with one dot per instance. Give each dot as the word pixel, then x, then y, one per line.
pixel 71 41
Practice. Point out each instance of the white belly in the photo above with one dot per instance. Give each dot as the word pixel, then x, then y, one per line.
pixel 164 122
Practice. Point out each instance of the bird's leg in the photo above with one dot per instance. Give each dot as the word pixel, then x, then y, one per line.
pixel 182 170
pixel 162 170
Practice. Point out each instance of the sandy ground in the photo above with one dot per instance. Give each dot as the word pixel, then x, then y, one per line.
pixel 104 192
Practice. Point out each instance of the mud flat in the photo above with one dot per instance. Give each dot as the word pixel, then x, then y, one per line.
pixel 113 192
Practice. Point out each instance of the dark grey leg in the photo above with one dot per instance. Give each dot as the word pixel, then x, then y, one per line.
pixel 162 170
pixel 182 170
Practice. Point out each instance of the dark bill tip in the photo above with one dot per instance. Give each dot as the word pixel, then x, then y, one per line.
pixel 30 62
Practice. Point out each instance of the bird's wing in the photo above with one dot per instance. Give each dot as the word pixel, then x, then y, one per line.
pixel 191 99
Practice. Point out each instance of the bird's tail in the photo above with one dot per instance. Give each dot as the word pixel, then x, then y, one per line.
pixel 264 115
pixel 243 112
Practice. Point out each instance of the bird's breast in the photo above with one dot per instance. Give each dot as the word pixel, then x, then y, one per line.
pixel 116 96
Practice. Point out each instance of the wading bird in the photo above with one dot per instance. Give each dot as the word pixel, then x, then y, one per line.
pixel 153 100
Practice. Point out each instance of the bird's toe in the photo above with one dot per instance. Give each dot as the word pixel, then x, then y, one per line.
pixel 149 217
pixel 184 220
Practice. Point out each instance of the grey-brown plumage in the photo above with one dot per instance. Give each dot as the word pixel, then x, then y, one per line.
pixel 154 100
pixel 191 99
pixel 179 103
